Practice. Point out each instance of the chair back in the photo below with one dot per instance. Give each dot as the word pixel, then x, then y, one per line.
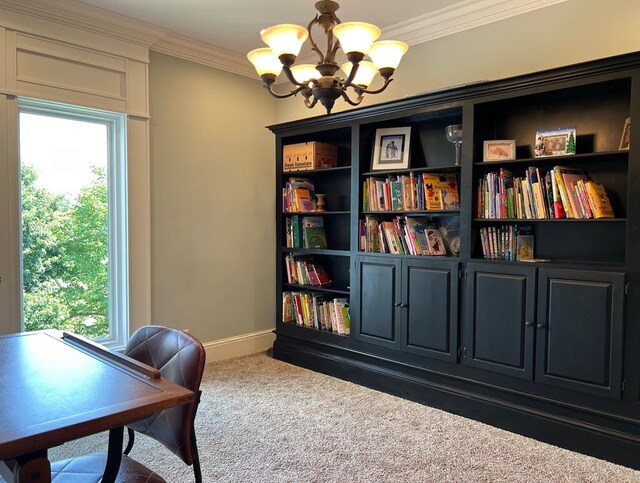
pixel 180 358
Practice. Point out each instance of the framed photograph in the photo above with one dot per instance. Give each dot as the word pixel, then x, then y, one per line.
pixel 391 148
pixel 555 142
pixel 499 150
pixel 626 131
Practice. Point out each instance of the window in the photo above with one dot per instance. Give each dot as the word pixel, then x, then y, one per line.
pixel 74 220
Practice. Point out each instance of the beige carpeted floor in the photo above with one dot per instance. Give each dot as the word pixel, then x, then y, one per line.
pixel 263 420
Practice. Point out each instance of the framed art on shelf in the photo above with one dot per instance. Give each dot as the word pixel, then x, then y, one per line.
pixel 555 142
pixel 499 150
pixel 391 148
pixel 626 131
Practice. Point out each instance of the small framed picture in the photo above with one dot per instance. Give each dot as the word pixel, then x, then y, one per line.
pixel 391 149
pixel 499 150
pixel 555 142
pixel 626 132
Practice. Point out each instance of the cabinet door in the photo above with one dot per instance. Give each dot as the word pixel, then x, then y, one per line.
pixel 378 300
pixel 430 303
pixel 500 314
pixel 580 329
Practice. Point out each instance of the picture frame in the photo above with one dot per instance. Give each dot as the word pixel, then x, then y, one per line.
pixel 555 142
pixel 626 133
pixel 391 148
pixel 499 150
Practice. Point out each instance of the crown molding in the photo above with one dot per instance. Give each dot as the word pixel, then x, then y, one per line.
pixel 72 13
pixel 461 16
pixel 203 53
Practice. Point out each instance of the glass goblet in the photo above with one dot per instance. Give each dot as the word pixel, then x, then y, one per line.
pixel 454 135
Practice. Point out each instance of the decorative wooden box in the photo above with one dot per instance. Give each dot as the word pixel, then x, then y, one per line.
pixel 311 155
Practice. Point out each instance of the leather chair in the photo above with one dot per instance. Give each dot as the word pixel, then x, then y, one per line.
pixel 180 358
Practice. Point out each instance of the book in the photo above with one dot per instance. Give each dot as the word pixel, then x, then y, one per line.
pixel 524 242
pixel 601 206
pixel 435 241
pixel 570 177
pixel 288 311
pixel 313 234
pixel 441 191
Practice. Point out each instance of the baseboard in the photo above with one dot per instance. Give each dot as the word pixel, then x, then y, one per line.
pixel 239 345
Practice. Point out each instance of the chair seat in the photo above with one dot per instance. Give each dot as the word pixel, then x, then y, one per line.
pixel 89 469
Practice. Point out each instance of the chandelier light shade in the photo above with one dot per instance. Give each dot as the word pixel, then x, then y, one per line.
pixel 323 81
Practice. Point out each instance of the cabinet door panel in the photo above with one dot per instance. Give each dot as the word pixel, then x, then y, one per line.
pixel 377 299
pixel 500 313
pixel 430 321
pixel 580 321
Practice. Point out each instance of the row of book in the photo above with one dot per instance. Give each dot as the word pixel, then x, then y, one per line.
pixel 507 242
pixel 315 310
pixel 409 235
pixel 555 194
pixel 412 192
pixel 298 195
pixel 305 232
pixel 305 270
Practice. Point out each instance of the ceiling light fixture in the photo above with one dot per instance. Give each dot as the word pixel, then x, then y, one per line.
pixel 322 82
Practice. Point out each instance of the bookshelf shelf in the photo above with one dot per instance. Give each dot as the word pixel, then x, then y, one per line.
pixel 559 335
pixel 550 220
pixel 430 169
pixel 413 212
pixel 316 251
pixel 553 160
pixel 318 288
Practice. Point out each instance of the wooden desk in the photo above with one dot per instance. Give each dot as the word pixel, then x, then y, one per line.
pixel 56 388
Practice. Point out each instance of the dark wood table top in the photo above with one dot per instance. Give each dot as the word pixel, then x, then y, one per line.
pixel 56 388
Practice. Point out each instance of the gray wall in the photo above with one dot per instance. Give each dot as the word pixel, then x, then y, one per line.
pixel 212 200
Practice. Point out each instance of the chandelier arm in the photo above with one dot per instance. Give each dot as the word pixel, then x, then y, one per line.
pixel 361 90
pixel 284 96
pixel 345 96
pixel 311 104
pixel 289 74
pixel 314 47
pixel 352 75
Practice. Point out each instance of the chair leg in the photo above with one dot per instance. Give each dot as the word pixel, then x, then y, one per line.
pixel 131 436
pixel 196 458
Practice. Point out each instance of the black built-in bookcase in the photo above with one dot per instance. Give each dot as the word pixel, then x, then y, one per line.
pixel 548 349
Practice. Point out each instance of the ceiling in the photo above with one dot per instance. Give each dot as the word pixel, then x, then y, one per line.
pixel 235 25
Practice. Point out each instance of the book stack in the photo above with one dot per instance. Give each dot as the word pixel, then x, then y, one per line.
pixel 305 271
pixel 413 192
pixel 555 194
pixel 313 310
pixel 298 196
pixel 406 235
pixel 305 232
pixel 507 242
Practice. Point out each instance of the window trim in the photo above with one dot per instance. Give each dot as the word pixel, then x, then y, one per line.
pixel 117 200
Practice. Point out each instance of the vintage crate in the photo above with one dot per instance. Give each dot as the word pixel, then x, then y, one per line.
pixel 312 155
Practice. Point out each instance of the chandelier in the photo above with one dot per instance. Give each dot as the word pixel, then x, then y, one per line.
pixel 322 82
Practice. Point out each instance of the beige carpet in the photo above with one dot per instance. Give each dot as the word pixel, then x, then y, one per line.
pixel 263 420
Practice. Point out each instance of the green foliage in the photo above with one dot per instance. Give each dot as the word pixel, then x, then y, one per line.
pixel 65 257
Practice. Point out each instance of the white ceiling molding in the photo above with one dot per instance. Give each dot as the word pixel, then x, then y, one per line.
pixel 462 16
pixel 203 53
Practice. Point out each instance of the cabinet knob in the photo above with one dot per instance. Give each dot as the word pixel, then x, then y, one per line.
pixel 528 323
pixel 403 306
pixel 541 326
pixel 397 304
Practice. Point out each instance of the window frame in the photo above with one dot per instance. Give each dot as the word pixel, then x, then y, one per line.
pixel 117 208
